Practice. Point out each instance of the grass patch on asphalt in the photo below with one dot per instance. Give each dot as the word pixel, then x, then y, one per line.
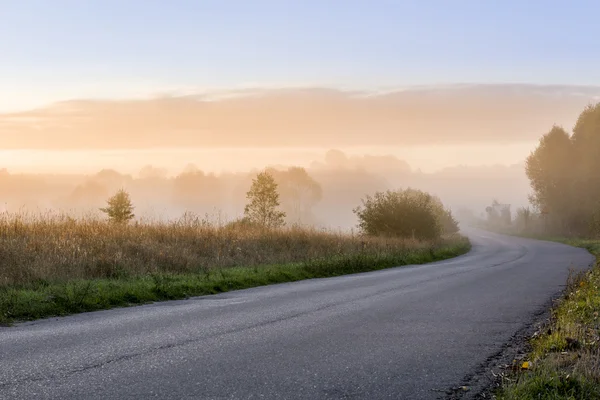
pixel 565 358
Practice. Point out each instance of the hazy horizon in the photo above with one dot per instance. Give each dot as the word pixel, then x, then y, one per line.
pixel 164 191
pixel 234 87
pixel 427 159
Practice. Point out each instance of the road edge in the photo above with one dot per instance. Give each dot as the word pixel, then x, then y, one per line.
pixel 487 376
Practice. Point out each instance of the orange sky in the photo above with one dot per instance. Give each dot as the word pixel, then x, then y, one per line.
pixel 320 118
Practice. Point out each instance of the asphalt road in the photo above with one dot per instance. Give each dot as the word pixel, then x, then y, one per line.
pixel 399 333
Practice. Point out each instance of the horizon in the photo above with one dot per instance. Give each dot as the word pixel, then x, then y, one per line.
pixel 235 87
pixel 218 160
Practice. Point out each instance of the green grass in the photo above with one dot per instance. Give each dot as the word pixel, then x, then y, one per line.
pixel 43 298
pixel 566 355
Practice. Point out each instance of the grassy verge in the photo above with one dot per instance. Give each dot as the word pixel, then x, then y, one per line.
pixel 60 266
pixel 565 360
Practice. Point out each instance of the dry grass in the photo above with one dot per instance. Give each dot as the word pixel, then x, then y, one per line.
pixel 56 265
pixel 59 248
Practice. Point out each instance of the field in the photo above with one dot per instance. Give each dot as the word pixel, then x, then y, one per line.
pixel 56 265
pixel 565 358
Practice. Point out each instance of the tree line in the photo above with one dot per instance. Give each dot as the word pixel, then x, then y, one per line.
pixel 564 172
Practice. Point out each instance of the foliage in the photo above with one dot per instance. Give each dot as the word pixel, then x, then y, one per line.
pixel 56 265
pixel 299 193
pixel 523 218
pixel 564 175
pixel 449 223
pixel 408 213
pixel 120 208
pixel 243 224
pixel 565 356
pixel 264 202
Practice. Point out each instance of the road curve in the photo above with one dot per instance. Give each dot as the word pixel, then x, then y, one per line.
pixel 398 333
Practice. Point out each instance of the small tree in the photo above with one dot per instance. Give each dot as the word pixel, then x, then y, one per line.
pixel 120 208
pixel 263 202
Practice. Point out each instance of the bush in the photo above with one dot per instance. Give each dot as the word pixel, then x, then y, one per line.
pixel 449 224
pixel 405 213
pixel 243 224
pixel 50 248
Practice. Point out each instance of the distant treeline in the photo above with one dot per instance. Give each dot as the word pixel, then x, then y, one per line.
pixel 323 194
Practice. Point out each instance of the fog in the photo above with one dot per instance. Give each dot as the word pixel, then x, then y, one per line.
pixel 426 158
pixel 162 191
pixel 466 144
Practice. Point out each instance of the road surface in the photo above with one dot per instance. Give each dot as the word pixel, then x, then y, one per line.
pixel 399 333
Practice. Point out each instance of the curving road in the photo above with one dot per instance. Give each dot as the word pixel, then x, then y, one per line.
pixel 397 333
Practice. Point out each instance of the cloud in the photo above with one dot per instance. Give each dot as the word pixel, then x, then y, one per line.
pixel 307 117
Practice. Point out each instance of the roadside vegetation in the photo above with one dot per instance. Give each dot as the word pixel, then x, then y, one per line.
pixel 565 359
pixel 57 265
pixel 564 171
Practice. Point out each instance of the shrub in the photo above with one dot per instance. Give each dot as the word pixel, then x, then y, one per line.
pixel 243 224
pixel 404 213
pixel 449 224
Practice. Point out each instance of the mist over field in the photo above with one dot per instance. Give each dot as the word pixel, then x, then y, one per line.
pixel 464 143
pixel 344 181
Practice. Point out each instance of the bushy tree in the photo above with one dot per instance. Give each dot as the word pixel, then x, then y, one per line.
pixel 586 186
pixel 550 169
pixel 263 198
pixel 408 213
pixel 449 223
pixel 299 193
pixel 119 208
pixel 564 175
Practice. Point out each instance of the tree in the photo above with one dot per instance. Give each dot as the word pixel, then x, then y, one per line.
pixel 120 208
pixel 88 193
pixel 197 191
pixel 408 213
pixel 153 173
pixel 263 202
pixel 563 172
pixel 551 169
pixel 299 193
pixel 586 181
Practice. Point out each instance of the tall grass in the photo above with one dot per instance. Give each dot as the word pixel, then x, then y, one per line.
pixel 54 264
